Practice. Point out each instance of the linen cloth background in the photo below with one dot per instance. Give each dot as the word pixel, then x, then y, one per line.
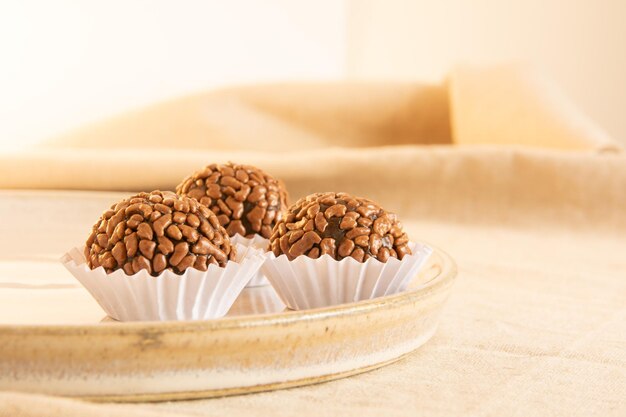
pixel 493 166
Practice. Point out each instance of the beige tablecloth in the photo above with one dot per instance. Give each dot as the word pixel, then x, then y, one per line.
pixel 523 191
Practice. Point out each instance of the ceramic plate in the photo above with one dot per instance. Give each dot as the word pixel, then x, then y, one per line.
pixel 55 339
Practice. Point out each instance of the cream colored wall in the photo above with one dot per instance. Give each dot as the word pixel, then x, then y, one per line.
pixel 579 44
pixel 67 62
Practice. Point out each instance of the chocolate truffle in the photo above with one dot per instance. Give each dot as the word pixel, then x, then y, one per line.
pixel 339 225
pixel 158 231
pixel 245 199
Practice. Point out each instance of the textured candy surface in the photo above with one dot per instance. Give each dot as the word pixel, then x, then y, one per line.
pixel 245 199
pixel 339 225
pixel 158 231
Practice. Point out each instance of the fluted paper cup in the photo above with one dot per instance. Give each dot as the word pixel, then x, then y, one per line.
pixel 257 300
pixel 194 295
pixel 260 243
pixel 306 283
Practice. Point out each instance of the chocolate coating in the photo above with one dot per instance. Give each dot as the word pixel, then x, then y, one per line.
pixel 245 199
pixel 339 225
pixel 158 231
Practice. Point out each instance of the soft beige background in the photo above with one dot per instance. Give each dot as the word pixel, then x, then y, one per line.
pixel 580 45
pixel 68 62
pixel 536 324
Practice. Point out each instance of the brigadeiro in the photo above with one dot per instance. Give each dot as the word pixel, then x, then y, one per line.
pixel 333 248
pixel 246 200
pixel 341 226
pixel 161 256
pixel 157 231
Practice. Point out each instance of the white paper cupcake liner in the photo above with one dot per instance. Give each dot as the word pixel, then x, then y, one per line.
pixel 194 295
pixel 260 243
pixel 306 283
pixel 257 300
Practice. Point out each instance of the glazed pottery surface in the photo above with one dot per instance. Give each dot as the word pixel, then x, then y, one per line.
pixel 55 339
